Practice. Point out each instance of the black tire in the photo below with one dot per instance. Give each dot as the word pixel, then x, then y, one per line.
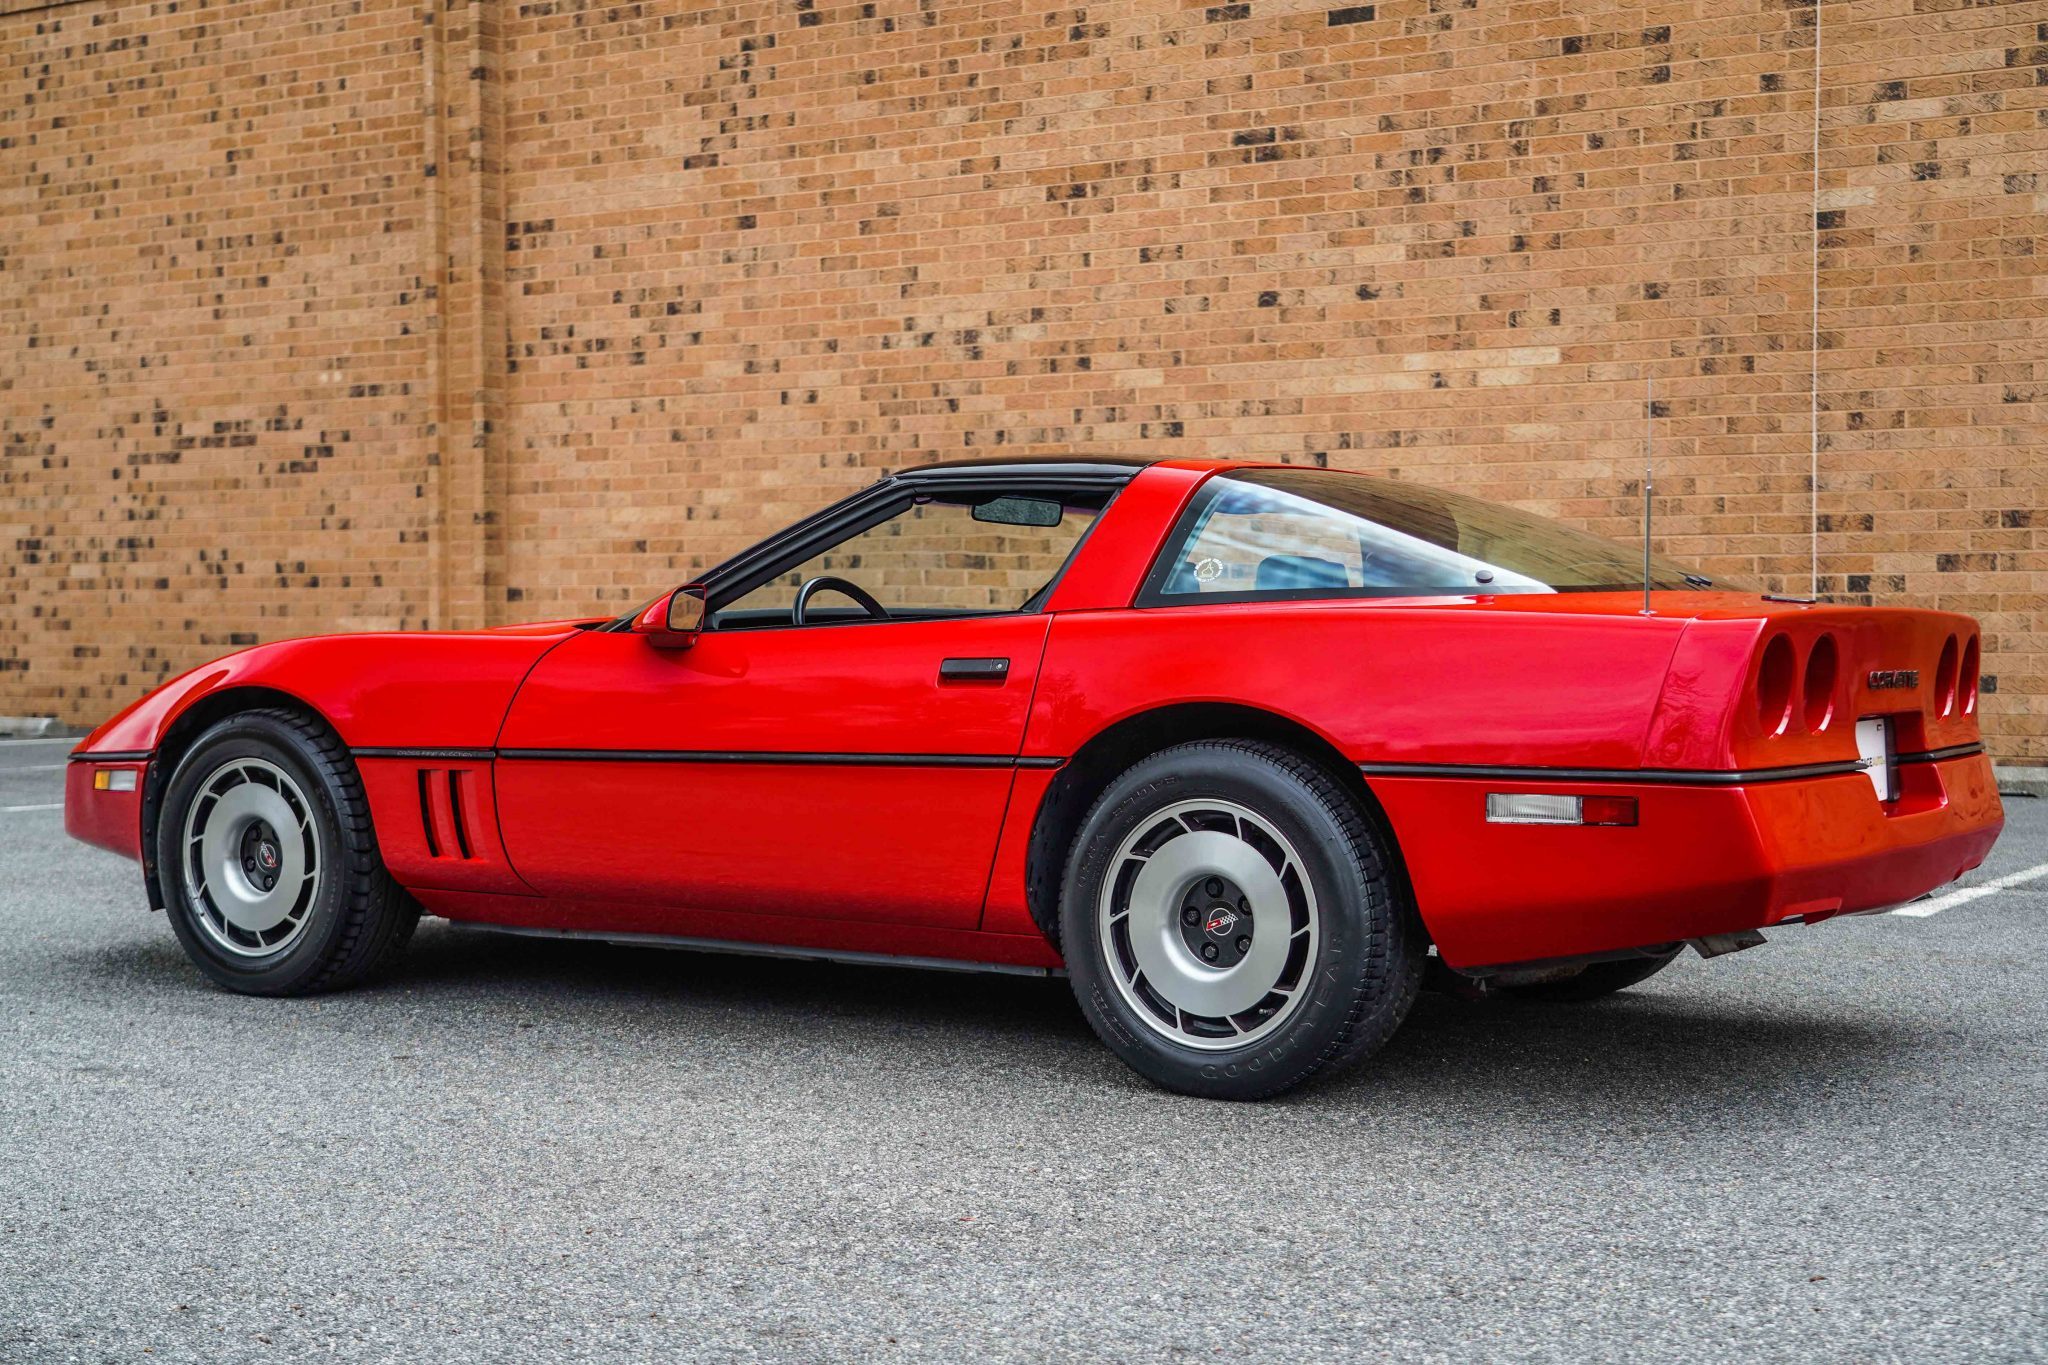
pixel 351 919
pixel 1353 989
pixel 1594 980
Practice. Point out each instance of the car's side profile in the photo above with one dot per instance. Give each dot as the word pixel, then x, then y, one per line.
pixel 1237 746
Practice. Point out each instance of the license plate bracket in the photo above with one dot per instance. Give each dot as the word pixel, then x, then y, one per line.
pixel 1881 763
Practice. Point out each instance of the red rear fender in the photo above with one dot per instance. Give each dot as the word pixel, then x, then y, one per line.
pixel 1410 682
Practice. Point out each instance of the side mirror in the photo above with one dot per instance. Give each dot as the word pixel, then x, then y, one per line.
pixel 672 622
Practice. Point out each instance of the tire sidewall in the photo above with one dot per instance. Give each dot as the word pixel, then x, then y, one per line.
pixel 1348 903
pixel 255 735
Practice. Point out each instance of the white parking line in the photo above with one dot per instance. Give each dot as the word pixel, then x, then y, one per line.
pixel 35 768
pixel 1922 909
pixel 16 810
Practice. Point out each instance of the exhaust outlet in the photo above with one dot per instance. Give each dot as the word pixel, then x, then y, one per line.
pixel 1714 945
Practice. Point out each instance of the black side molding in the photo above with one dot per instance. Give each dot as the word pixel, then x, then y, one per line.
pixel 770 757
pixel 1678 777
pixel 1940 755
pixel 775 758
pixel 452 755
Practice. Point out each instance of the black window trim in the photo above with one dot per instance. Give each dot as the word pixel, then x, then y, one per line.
pixel 1153 596
pixel 730 579
pixel 1152 588
pixel 871 507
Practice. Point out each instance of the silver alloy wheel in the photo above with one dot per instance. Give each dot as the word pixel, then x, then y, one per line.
pixel 1208 924
pixel 252 858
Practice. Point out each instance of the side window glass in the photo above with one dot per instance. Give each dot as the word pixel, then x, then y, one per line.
pixel 1247 543
pixel 974 555
pixel 1251 540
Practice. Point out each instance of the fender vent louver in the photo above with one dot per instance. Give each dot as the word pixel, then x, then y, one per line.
pixel 427 776
pixel 443 817
pixel 455 811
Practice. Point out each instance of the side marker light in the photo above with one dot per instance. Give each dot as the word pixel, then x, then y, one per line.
pixel 1528 808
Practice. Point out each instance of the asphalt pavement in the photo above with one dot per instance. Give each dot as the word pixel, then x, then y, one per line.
pixel 1832 1147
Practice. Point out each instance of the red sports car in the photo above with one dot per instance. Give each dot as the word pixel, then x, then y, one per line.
pixel 1238 746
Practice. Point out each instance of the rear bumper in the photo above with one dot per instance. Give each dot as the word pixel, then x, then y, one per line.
pixel 1701 860
pixel 105 818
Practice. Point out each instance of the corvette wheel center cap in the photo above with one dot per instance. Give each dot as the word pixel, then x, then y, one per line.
pixel 262 857
pixel 1216 922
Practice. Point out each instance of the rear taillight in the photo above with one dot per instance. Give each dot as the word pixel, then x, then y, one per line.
pixel 1822 670
pixel 1785 690
pixel 1774 679
pixel 1972 662
pixel 1945 679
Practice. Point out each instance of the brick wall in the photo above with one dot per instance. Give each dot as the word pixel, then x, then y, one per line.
pixel 349 315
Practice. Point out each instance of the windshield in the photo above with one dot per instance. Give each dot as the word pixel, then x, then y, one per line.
pixel 1302 533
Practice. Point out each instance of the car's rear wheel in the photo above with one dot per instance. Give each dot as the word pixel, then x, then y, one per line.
pixel 268 863
pixel 1231 923
pixel 1594 980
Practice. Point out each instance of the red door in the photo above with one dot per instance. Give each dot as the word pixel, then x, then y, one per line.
pixel 850 771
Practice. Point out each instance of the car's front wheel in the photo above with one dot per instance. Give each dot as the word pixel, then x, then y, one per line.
pixel 1232 924
pixel 269 866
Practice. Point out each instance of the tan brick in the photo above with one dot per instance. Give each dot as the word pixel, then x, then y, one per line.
pixel 288 343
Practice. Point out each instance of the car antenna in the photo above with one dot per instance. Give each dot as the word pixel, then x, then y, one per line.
pixel 1649 449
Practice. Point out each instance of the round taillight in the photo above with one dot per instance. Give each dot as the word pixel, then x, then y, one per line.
pixel 1822 668
pixel 1972 662
pixel 1774 678
pixel 1945 679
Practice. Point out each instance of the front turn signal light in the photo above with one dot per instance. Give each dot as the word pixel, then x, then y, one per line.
pixel 1529 808
pixel 113 779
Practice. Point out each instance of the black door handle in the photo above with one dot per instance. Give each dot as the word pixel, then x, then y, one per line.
pixel 973 670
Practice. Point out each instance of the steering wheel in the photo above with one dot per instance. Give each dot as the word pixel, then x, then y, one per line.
pixel 875 610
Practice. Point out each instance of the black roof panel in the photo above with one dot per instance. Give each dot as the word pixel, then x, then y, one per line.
pixel 1067 465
